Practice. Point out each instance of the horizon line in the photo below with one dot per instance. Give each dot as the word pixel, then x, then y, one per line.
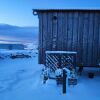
pixel 18 25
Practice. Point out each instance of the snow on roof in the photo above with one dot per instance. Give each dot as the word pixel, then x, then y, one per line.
pixel 64 10
pixel 53 10
pixel 62 52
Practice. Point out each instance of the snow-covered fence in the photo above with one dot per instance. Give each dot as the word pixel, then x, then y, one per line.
pixel 62 65
pixel 63 58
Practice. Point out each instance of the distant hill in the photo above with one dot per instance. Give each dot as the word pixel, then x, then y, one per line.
pixel 16 33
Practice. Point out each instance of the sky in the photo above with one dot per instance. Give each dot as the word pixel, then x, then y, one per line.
pixel 19 12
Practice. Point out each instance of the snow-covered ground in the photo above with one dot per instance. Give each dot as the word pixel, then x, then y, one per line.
pixel 20 79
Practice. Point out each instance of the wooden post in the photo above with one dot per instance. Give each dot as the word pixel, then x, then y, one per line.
pixel 64 81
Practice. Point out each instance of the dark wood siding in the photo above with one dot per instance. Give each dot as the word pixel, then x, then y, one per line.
pixel 71 31
pixel 40 38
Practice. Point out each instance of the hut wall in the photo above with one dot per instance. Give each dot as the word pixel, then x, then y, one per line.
pixel 71 31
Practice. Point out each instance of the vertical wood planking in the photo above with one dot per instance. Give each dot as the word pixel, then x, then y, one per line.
pixel 44 27
pixel 59 44
pixel 80 37
pixel 69 31
pixel 75 31
pixel 99 41
pixel 95 39
pixel 64 34
pixel 54 31
pixel 77 38
pixel 40 38
pixel 65 24
pixel 90 38
pixel 49 33
pixel 98 51
pixel 85 38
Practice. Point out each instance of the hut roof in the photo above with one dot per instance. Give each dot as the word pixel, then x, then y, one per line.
pixel 64 10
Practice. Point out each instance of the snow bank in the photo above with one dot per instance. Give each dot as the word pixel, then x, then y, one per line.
pixel 4 54
pixel 20 79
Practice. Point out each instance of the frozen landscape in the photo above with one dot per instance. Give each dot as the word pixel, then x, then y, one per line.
pixel 30 29
pixel 16 34
pixel 21 79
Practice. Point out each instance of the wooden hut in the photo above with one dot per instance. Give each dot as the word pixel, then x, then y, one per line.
pixel 70 30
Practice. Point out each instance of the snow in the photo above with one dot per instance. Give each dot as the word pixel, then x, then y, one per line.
pixel 67 52
pixel 31 46
pixel 8 53
pixel 58 72
pixel 21 79
pixel 68 72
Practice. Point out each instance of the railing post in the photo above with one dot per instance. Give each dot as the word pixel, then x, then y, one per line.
pixel 64 81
